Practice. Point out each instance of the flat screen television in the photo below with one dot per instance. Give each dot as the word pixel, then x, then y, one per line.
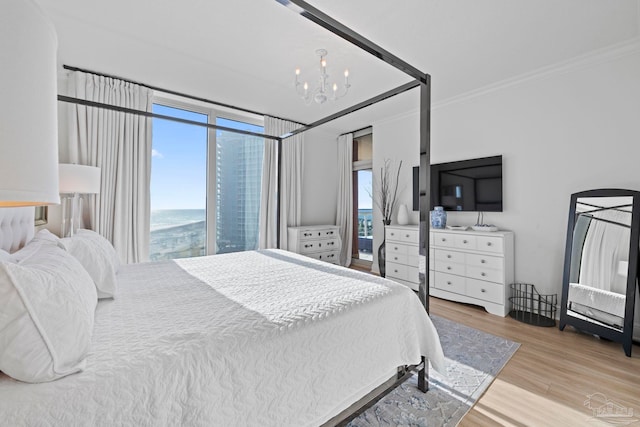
pixel 467 185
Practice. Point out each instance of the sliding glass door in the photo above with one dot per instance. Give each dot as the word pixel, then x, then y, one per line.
pixel 205 184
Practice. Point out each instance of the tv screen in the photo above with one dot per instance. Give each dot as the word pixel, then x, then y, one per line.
pixel 468 185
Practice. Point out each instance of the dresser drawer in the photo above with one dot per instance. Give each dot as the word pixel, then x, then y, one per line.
pixel 329 244
pixel 490 244
pixel 401 248
pixel 309 245
pixel 318 234
pixel 402 272
pixel 464 242
pixel 485 261
pixel 449 282
pixel 449 267
pixel 444 239
pixel 400 258
pixel 329 256
pixel 483 273
pixel 486 291
pixel 449 256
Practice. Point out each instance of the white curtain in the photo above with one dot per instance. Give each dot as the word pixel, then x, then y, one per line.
pixel 290 185
pixel 344 214
pixel 268 196
pixel 120 144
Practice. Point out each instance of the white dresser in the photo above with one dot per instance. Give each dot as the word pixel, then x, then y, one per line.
pixel 472 267
pixel 316 241
pixel 401 247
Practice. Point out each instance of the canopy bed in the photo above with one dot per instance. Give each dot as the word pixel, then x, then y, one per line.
pixel 219 340
pixel 265 329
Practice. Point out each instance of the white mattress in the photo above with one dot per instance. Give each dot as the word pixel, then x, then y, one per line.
pixel 265 338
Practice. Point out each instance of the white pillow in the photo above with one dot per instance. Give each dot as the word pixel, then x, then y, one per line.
pixel 103 243
pixel 96 260
pixel 46 236
pixel 47 307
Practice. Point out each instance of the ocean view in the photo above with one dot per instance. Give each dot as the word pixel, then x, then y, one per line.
pixel 177 233
pixel 164 218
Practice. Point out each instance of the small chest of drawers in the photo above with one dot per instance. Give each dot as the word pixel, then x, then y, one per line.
pixel 316 241
pixel 472 267
pixel 401 247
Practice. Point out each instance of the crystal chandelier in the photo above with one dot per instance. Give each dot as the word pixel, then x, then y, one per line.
pixel 322 93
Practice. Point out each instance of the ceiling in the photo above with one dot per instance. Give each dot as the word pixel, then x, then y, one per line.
pixel 244 52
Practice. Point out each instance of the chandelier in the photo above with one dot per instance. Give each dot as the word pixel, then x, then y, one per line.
pixel 321 93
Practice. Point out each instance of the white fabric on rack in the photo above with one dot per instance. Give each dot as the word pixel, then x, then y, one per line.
pixel 290 183
pixel 344 214
pixel 120 144
pixel 605 246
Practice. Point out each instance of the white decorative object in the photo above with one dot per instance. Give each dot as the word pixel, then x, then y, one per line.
pixel 76 180
pixel 403 215
pixel 28 107
pixel 322 93
pixel 316 241
pixel 402 254
pixel 472 267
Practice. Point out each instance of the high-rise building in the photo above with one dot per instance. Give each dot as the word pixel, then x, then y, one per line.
pixel 239 177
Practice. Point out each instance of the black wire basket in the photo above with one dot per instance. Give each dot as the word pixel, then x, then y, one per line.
pixel 528 306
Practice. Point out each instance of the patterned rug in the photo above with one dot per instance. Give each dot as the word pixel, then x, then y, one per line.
pixel 473 358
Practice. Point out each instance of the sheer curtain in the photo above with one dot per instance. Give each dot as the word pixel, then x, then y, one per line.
pixel 120 144
pixel 290 185
pixel 344 214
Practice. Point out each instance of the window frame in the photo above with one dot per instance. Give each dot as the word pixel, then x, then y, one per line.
pixel 211 185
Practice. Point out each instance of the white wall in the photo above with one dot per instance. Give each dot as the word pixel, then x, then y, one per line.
pixel 567 131
pixel 320 179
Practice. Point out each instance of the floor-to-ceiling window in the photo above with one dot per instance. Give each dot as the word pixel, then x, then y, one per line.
pixel 205 184
pixel 362 252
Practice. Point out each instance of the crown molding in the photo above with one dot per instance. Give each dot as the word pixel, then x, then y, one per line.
pixel 610 53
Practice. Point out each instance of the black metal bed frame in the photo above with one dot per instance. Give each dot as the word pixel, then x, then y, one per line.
pixel 419 80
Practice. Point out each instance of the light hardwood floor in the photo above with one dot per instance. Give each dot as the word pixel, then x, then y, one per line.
pixel 552 375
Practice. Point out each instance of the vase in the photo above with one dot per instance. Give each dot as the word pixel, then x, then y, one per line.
pixel 382 250
pixel 403 215
pixel 438 218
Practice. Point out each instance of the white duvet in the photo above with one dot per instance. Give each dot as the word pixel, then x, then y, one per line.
pixel 266 338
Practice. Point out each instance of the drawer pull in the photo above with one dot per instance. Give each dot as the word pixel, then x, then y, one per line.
pixel 319 234
pixel 488 243
pixel 483 290
pixel 465 242
pixel 482 261
pixel 443 239
pixel 448 256
pixel 448 268
pixel 396 248
pixel 448 283
pixel 483 274
pixel 308 246
pixel 408 235
pixel 395 258
pixel 393 234
pixel 395 271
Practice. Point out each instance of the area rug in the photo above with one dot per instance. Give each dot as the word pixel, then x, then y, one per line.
pixel 473 358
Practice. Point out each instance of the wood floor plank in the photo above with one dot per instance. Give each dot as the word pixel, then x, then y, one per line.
pixel 551 376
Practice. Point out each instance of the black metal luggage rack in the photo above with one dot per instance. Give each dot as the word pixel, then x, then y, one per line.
pixel 530 307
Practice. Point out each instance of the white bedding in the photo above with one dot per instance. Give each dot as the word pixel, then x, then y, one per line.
pixel 253 339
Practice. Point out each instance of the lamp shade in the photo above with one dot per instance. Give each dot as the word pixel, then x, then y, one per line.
pixel 28 106
pixel 79 179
